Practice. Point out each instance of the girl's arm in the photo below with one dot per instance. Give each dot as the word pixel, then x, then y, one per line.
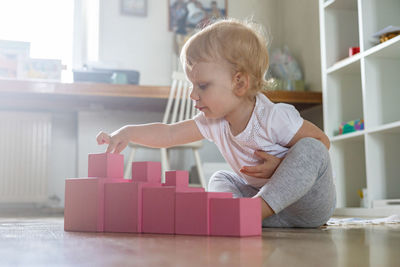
pixel 309 130
pixel 271 163
pixel 155 135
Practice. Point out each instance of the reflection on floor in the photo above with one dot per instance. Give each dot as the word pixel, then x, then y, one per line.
pixel 42 241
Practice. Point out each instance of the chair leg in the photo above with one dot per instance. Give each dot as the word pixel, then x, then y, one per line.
pixel 199 168
pixel 128 168
pixel 164 163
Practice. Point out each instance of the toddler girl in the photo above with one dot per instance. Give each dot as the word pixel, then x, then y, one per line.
pixel 276 155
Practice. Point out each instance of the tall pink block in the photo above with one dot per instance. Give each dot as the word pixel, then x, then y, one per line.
pixel 192 214
pixel 159 208
pixel 123 206
pixel 177 178
pixel 84 204
pixel 106 165
pixel 146 171
pixel 235 217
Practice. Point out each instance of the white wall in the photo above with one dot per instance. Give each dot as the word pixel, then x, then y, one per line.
pixel 140 43
pixel 265 12
pixel 145 44
pixel 299 28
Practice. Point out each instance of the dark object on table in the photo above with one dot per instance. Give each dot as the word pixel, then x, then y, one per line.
pixel 98 75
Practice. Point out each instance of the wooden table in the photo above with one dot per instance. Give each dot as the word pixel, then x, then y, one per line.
pixel 54 95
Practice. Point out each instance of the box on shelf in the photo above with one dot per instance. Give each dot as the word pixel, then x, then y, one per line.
pixel 12 55
pixel 100 75
pixel 39 68
pixel 387 33
pixel 354 50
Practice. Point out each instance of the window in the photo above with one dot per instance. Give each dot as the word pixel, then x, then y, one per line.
pixel 46 24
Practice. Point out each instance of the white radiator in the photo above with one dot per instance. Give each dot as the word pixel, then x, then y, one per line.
pixel 25 140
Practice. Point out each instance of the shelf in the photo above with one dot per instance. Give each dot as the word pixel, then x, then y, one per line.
pixel 382 161
pixel 348 65
pixel 387 128
pixel 83 89
pixel 55 95
pixel 358 135
pixel 382 83
pixel 349 170
pixel 355 136
pixel 339 30
pixel 388 49
pixel 376 15
pixel 344 98
pixel 293 97
pixel 364 86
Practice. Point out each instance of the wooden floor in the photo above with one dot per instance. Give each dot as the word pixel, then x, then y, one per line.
pixel 42 241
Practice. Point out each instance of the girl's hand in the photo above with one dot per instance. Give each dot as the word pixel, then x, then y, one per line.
pixel 264 170
pixel 117 141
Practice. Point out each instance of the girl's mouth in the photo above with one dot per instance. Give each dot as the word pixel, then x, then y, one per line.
pixel 199 108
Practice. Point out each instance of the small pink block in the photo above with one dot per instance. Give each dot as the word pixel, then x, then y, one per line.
pixel 192 212
pixel 123 207
pixel 146 171
pixel 177 178
pixel 84 204
pixel 159 208
pixel 235 217
pixel 106 165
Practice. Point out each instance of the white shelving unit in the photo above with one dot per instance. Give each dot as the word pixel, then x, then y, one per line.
pixel 364 86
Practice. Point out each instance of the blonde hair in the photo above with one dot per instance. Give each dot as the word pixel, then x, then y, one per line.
pixel 242 44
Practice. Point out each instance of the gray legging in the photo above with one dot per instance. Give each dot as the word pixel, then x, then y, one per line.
pixel 301 191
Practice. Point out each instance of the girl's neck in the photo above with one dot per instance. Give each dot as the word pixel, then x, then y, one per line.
pixel 240 117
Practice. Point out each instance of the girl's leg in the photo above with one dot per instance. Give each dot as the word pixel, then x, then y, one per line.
pixel 225 181
pixel 301 191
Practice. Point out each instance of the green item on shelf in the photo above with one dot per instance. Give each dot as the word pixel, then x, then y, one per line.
pixel 351 126
pixel 348 129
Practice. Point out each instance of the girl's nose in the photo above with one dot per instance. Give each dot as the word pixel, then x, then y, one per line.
pixel 193 95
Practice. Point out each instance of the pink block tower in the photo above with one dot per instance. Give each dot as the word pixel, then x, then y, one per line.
pixel 106 202
pixel 84 197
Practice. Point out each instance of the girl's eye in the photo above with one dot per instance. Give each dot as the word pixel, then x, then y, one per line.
pixel 203 86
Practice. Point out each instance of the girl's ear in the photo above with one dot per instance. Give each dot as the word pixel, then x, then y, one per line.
pixel 241 83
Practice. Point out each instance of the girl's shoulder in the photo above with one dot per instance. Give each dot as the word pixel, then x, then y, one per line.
pixel 275 114
pixel 267 107
pixel 264 107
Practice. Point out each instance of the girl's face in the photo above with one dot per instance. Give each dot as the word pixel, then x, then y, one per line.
pixel 213 89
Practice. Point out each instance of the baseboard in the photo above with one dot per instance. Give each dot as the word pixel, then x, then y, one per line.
pixel 29 210
pixel 367 212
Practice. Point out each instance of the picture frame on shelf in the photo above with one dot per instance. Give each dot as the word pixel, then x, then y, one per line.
pixel 134 8
pixel 186 15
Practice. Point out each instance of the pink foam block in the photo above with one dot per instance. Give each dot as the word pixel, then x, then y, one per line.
pixel 192 212
pixel 146 171
pixel 159 208
pixel 106 165
pixel 235 217
pixel 123 206
pixel 177 178
pixel 84 204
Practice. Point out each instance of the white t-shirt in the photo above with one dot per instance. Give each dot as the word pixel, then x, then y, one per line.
pixel 269 129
